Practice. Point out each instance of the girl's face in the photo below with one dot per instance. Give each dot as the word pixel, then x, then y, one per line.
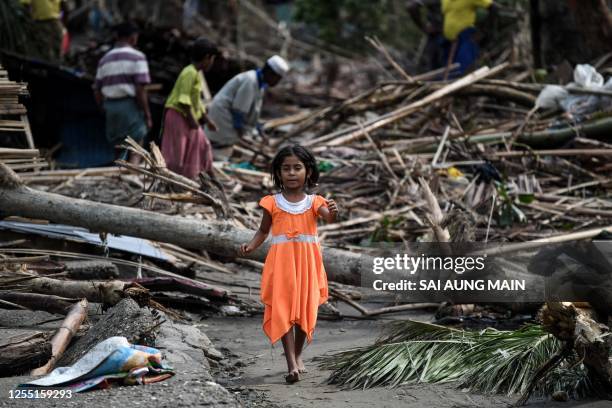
pixel 293 173
pixel 207 63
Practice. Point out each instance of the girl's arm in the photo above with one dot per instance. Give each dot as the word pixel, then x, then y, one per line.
pixel 259 237
pixel 205 120
pixel 329 213
pixel 193 124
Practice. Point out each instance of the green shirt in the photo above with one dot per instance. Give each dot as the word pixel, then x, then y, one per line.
pixel 187 91
pixel 44 9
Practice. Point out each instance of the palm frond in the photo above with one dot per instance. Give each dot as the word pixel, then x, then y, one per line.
pixel 489 361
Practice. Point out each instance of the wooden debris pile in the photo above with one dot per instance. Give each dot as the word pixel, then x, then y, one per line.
pixel 13 118
pixel 518 172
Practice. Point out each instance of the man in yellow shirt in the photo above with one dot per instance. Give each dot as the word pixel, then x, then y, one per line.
pixel 49 28
pixel 459 30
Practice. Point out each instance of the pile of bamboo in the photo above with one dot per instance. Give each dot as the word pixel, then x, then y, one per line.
pixel 517 173
pixel 13 118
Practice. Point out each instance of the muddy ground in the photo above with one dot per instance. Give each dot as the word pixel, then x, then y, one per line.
pixel 252 374
pixel 257 379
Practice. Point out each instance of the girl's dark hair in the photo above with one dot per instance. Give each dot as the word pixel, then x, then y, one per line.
pixel 304 156
pixel 201 48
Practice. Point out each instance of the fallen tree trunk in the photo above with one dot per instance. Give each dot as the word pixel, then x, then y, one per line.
pixel 590 339
pixel 219 238
pixel 578 328
pixel 182 285
pixel 60 341
pixel 106 292
pixel 20 354
pixel 94 269
pixel 37 301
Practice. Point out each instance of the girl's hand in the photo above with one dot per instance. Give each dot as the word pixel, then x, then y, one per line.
pixel 211 125
pixel 193 124
pixel 333 208
pixel 245 249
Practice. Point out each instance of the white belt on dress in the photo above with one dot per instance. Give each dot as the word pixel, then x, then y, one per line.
pixel 280 239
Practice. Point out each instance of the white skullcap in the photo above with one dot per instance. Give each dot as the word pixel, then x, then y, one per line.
pixel 278 65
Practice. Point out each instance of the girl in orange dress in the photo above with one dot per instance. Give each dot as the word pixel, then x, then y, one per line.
pixel 293 283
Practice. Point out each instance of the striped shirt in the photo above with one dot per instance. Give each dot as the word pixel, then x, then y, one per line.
pixel 120 70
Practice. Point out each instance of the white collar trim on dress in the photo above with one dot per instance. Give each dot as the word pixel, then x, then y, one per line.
pixel 293 208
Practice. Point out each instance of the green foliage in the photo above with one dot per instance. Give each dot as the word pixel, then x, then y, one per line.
pixel 381 233
pixel 489 361
pixel 508 212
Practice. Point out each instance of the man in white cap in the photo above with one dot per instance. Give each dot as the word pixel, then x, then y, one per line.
pixel 236 107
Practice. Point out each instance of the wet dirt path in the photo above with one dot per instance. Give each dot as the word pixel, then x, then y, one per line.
pixel 256 371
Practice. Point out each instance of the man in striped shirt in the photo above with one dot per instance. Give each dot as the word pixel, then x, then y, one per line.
pixel 120 90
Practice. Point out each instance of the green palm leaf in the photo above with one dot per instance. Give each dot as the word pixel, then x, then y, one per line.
pixel 489 361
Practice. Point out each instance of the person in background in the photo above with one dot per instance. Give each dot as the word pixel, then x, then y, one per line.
pixel 235 109
pixel 459 30
pixel 431 26
pixel 50 31
pixel 120 89
pixel 185 147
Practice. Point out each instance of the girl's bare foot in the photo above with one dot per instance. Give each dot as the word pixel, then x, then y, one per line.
pixel 292 377
pixel 300 365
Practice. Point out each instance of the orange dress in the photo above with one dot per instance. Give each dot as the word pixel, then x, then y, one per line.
pixel 293 283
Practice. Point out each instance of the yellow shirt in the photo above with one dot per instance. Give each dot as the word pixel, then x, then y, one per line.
pixel 44 9
pixel 459 15
pixel 188 91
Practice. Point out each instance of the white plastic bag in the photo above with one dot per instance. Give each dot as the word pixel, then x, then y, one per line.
pixel 586 76
pixel 551 96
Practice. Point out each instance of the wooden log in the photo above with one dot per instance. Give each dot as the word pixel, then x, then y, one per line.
pixel 37 301
pixel 182 285
pixel 64 334
pixel 579 327
pixel 22 353
pixel 220 238
pixel 107 292
pixel 91 269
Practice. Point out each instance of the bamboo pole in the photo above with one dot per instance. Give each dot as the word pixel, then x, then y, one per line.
pixel 64 334
pixel 574 236
pixel 355 132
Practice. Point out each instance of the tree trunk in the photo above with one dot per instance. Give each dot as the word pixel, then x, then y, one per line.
pixel 36 301
pixel 20 354
pixel 589 338
pixel 106 292
pixel 576 31
pixel 216 237
pixel 94 269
